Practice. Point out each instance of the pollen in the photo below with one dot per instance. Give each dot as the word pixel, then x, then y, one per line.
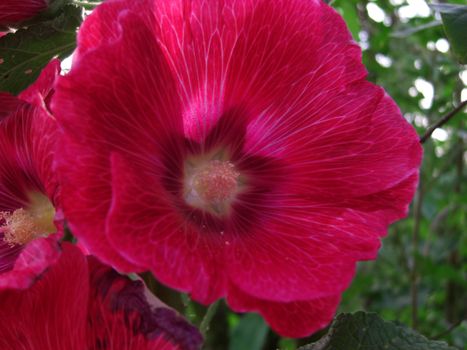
pixel 217 182
pixel 26 224
pixel 19 227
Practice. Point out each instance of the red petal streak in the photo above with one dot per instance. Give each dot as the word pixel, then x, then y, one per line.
pixel 101 28
pixel 52 313
pixel 303 252
pixel 13 11
pixel 8 255
pixel 9 104
pixel 358 145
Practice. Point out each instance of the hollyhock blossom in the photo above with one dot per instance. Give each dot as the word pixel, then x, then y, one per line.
pixel 233 148
pixel 29 193
pixel 81 304
pixel 15 11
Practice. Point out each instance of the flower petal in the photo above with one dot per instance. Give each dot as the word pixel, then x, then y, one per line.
pixel 54 307
pixel 34 260
pixel 9 104
pixel 355 143
pixel 294 319
pixel 81 304
pixel 124 315
pixel 40 92
pixel 27 147
pixel 77 103
pixel 270 57
pixel 133 103
pixel 303 252
pixel 8 255
pixel 30 263
pixel 13 11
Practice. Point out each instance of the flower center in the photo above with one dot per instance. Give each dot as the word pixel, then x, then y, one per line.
pixel 216 182
pixel 25 224
pixel 212 186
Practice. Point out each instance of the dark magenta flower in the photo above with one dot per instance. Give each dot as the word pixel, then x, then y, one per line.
pixel 233 148
pixel 30 213
pixel 15 11
pixel 81 304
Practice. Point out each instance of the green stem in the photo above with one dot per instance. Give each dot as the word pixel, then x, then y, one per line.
pixel 211 311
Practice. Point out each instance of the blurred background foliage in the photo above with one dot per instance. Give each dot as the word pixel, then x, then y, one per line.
pixel 420 277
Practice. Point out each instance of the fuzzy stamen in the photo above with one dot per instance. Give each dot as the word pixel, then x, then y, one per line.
pixel 211 185
pixel 24 225
pixel 216 182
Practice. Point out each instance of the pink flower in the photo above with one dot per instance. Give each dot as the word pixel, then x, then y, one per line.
pixel 233 148
pixel 14 11
pixel 29 193
pixel 82 304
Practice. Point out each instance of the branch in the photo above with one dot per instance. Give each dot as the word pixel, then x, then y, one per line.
pixel 442 121
pixel 449 330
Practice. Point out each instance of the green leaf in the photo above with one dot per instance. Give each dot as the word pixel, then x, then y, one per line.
pixel 24 53
pixel 56 5
pixel 455 25
pixel 250 333
pixel 367 331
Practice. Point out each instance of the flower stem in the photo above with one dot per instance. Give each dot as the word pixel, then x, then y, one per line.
pixel 211 311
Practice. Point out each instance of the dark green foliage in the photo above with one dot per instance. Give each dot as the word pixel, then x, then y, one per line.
pixel 249 333
pixel 455 24
pixel 23 54
pixel 367 331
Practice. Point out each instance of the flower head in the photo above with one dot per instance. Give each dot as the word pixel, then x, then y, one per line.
pixel 233 148
pixel 15 11
pixel 29 191
pixel 82 304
